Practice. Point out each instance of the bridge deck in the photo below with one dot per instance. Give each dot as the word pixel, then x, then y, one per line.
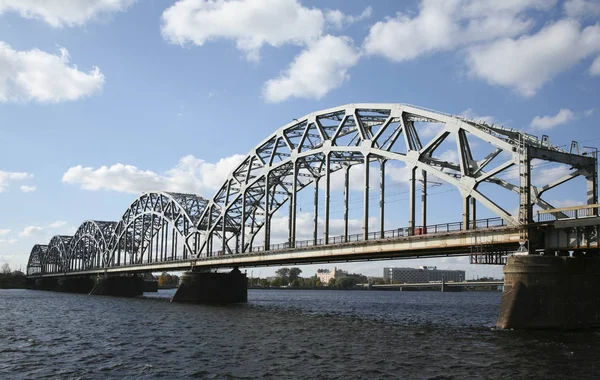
pixel 458 243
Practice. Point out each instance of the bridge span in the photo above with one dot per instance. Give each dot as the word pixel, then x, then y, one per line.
pixel 320 154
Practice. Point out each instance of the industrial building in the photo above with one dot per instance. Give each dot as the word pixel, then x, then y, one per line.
pixel 421 275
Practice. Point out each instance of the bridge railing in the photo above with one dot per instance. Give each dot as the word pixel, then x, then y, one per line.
pixel 574 212
pixel 388 234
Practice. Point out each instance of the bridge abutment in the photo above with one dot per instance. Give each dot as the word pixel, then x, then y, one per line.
pixel 45 283
pixel 121 286
pixel 207 287
pixel 550 292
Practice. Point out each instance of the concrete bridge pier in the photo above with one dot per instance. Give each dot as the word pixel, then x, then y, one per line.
pixel 120 286
pixel 45 283
pixel 207 287
pixel 75 284
pixel 550 292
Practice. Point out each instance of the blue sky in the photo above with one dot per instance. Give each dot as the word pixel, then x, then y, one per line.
pixel 103 99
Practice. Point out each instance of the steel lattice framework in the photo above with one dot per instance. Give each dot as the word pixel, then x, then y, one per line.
pixel 161 226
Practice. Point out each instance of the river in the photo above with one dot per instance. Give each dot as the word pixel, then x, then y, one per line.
pixel 281 334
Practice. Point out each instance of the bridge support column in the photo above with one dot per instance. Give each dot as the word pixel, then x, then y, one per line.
pixel 75 284
pixel 207 287
pixel 45 283
pixel 550 292
pixel 120 286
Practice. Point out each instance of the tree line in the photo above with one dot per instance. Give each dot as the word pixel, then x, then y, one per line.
pixel 11 279
pixel 290 277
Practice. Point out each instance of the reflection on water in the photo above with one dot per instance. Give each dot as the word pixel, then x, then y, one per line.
pixel 281 334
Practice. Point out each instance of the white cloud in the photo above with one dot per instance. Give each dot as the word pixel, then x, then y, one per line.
pixel 338 19
pixel 527 63
pixel 34 75
pixel 548 122
pixel 595 68
pixel 565 203
pixel 582 8
pixel 59 13
pixel 8 241
pixel 316 71
pixel 190 175
pixel 7 177
pixel 27 189
pixel 36 230
pixel 446 25
pixel 4 231
pixel 250 23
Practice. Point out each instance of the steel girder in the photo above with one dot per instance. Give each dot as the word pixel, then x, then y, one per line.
pixel 89 244
pixel 311 148
pixel 151 213
pixel 35 264
pixel 57 255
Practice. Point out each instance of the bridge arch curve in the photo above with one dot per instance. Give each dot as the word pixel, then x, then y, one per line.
pixel 311 148
pixel 89 245
pixel 157 226
pixel 35 264
pixel 57 254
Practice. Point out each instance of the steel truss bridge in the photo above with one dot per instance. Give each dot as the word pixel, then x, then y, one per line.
pixel 173 231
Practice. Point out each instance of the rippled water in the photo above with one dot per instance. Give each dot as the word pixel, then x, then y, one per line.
pixel 281 334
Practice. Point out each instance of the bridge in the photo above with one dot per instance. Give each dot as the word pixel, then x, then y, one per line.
pixel 319 154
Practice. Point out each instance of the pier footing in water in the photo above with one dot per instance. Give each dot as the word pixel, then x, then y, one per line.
pixel 550 292
pixel 122 286
pixel 205 287
pixel 75 284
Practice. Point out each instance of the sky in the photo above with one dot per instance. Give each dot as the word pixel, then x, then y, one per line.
pixel 101 100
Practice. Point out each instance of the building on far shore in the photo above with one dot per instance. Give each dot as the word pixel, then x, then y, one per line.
pixel 421 275
pixel 324 275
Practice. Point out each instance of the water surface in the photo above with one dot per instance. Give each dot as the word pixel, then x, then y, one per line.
pixel 281 334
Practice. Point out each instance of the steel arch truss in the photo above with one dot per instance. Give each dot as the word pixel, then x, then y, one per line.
pixel 308 150
pixel 35 265
pixel 57 255
pixel 158 226
pixel 89 244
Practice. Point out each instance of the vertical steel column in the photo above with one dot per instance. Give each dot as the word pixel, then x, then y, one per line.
pixel 316 212
pixel 366 200
pixel 381 198
pixel 473 213
pixel 267 211
pixel 293 206
pixel 346 200
pixel 465 215
pixel 151 242
pixel 592 184
pixel 327 191
pixel 243 224
pixel 424 201
pixel 412 201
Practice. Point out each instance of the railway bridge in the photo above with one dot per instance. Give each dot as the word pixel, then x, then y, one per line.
pixel 256 219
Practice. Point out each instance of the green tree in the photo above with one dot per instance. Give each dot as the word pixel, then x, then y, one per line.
pixel 294 273
pixel 5 268
pixel 277 282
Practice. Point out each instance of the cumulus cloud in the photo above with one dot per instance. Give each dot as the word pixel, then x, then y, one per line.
pixel 27 189
pixel 34 75
pixel 7 177
pixel 250 23
pixel 582 8
pixel 315 72
pixel 4 231
pixel 527 63
pixel 446 25
pixel 60 13
pixel 595 68
pixel 190 175
pixel 338 19
pixel 36 230
pixel 471 115
pixel 548 122
pixel 8 241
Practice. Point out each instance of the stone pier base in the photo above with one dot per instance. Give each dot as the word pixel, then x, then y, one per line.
pixel 122 286
pixel 205 287
pixel 45 283
pixel 550 292
pixel 75 284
